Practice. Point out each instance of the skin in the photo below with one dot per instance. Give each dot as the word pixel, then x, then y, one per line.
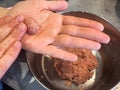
pixel 55 31
pixel 10 44
pixel 58 31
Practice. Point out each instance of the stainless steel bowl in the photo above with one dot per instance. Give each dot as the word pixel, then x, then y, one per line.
pixel 107 74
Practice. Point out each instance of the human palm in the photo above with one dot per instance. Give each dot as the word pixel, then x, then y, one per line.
pixel 42 41
pixel 55 29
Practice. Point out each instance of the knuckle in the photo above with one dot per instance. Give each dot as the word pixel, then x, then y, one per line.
pixel 14 36
pixel 12 23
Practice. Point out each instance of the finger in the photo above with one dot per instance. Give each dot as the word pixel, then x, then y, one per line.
pixel 74 42
pixel 56 5
pixel 9 57
pixel 87 33
pixel 16 34
pixel 32 26
pixel 4 19
pixel 7 27
pixel 82 22
pixel 58 53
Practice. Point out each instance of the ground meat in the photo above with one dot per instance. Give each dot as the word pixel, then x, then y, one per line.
pixel 78 71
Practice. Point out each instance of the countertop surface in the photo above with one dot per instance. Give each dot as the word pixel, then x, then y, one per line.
pixel 19 76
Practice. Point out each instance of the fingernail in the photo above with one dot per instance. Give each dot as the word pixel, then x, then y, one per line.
pixel 74 58
pixel 97 46
pixel 33 29
pixel 107 39
pixel 101 27
pixel 21 27
pixel 19 18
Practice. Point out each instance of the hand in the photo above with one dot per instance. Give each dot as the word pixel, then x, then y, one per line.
pixel 58 30
pixel 11 33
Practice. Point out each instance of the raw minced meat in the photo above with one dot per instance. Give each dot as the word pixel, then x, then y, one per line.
pixel 78 71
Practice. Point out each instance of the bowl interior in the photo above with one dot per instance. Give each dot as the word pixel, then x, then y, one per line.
pixel 107 75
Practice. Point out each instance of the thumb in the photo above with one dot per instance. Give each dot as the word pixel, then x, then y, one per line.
pixel 56 5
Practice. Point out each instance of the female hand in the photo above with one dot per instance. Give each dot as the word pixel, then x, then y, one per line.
pixel 57 30
pixel 11 33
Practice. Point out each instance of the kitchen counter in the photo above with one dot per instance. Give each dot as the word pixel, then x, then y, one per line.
pixel 19 76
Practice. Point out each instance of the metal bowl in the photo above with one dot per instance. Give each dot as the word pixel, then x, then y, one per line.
pixel 107 75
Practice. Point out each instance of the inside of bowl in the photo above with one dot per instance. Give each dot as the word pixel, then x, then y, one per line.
pixel 107 74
